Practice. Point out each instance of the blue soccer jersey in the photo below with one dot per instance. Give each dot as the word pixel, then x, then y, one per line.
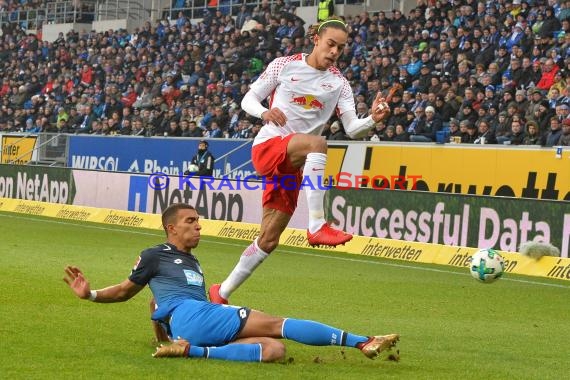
pixel 179 290
pixel 173 276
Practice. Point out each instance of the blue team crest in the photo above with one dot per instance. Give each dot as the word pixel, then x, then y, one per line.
pixel 193 278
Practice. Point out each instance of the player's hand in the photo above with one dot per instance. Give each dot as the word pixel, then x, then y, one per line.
pixel 274 115
pixel 77 282
pixel 380 109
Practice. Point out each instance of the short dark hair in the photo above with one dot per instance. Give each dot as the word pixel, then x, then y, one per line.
pixel 169 214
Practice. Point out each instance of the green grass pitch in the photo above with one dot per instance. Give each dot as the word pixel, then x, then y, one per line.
pixel 452 327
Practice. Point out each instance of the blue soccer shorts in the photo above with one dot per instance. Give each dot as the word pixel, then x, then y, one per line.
pixel 207 324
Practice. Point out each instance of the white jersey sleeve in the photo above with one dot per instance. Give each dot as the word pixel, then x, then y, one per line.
pixel 346 100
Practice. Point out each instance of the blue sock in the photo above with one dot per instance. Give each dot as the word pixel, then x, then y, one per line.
pixel 196 352
pixel 234 352
pixel 318 334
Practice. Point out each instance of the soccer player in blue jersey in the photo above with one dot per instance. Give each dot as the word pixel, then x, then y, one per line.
pixel 204 329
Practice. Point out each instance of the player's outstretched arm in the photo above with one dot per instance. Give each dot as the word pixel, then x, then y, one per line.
pixel 115 293
pixel 358 128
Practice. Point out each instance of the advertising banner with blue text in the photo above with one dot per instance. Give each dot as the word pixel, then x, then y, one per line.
pixel 215 199
pixel 156 154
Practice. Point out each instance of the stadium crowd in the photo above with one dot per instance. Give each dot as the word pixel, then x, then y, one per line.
pixel 470 72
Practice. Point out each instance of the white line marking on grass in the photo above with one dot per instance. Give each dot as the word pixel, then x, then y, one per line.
pixel 410 266
pixel 349 259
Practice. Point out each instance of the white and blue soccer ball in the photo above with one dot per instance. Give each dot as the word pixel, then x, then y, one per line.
pixel 193 168
pixel 487 265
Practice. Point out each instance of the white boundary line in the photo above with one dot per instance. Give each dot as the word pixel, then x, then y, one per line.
pixel 215 241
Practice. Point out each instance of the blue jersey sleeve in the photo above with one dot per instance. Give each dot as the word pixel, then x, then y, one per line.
pixel 145 268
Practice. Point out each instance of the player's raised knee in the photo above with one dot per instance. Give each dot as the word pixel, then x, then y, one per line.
pixel 317 144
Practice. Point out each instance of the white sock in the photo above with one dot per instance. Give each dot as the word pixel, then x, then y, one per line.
pixel 315 171
pixel 250 259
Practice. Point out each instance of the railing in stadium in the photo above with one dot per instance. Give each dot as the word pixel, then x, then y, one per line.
pixel 57 12
pixel 86 11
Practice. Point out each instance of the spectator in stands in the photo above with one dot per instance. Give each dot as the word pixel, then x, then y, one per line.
pixel 416 128
pixel 502 128
pixel 325 9
pixel 85 119
pixel 137 127
pixel 516 136
pixel 535 100
pixel 471 136
pixel 553 135
pixel 550 24
pixel 532 136
pixel 559 83
pixel 565 135
pixel 542 116
pixel 194 130
pixel 377 133
pixel 173 130
pixel 547 78
pixel 562 110
pixel 553 97
pixel 432 125
pixel 400 133
pixel 485 134
pixel 454 131
pixel 336 132
pixel 521 101
pixel 215 131
pixel 466 112
pixel 146 57
pixel 389 134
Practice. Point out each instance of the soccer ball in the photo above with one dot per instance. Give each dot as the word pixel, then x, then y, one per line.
pixel 487 265
pixel 192 168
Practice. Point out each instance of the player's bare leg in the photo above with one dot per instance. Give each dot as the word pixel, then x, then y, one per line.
pixel 273 224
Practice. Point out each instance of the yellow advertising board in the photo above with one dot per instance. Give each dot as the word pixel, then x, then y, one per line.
pixel 548 267
pixel 17 149
pixel 515 172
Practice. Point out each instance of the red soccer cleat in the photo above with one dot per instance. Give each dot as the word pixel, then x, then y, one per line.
pixel 328 236
pixel 215 296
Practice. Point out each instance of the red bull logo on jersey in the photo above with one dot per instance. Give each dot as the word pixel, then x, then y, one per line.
pixel 308 102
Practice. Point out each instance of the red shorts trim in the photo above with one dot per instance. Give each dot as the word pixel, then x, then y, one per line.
pixel 270 160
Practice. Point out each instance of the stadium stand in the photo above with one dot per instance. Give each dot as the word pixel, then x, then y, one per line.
pixel 458 63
